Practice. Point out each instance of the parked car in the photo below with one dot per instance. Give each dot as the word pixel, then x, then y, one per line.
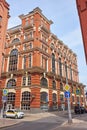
pixel 85 109
pixel 13 113
pixel 79 109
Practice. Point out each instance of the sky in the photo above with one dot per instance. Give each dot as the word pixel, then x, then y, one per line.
pixel 66 24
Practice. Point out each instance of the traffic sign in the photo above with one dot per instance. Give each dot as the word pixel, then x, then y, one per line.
pixel 67 87
pixel 67 94
pixel 5 92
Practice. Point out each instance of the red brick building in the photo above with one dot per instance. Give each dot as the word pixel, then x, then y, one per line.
pixel 4 15
pixel 82 12
pixel 37 65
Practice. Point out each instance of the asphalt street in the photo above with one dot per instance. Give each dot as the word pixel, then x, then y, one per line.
pixel 52 122
pixel 32 126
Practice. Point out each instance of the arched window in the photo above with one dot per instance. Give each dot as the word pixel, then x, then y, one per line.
pixel 44 82
pixel 53 63
pixel 26 96
pixel 54 84
pixel 61 87
pixel 11 97
pixel 44 101
pixel 16 40
pixel 13 60
pixel 44 97
pixel 54 97
pixel 11 100
pixel 11 83
pixel 25 103
pixel 61 97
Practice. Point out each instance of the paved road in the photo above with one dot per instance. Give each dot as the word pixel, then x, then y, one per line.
pixel 50 123
pixel 32 126
pixel 46 123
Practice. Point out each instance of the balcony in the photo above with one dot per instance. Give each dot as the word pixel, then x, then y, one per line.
pixel 44 28
pixel 28 26
pixel 28 39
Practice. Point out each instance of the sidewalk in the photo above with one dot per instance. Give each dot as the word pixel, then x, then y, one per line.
pixel 75 124
pixel 4 122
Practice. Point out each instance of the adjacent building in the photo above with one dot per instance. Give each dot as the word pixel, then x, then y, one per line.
pixel 4 15
pixel 37 65
pixel 82 12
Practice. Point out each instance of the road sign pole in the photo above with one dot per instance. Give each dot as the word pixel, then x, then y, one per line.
pixel 4 99
pixel 69 112
pixel 69 108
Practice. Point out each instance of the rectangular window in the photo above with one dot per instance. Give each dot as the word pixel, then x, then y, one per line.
pixel 24 81
pixel 70 73
pixel 44 48
pixel 44 63
pixel 29 81
pixel 24 61
pixel 60 68
pixel 31 35
pixel 29 60
pixel 66 71
pixel 24 46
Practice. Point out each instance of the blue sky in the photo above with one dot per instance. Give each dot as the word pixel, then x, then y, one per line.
pixel 65 25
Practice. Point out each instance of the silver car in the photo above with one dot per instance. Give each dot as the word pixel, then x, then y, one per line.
pixel 13 113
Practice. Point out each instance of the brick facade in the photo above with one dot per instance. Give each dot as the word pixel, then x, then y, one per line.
pixel 37 65
pixel 82 12
pixel 4 15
